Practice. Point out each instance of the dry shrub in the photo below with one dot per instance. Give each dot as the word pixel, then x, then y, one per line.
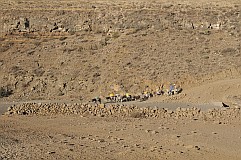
pixel 228 51
pixel 38 72
pixel 63 38
pixel 5 92
pixel 137 115
pixel 5 47
pixel 37 44
pixel 2 39
pixel 17 71
pixel 115 35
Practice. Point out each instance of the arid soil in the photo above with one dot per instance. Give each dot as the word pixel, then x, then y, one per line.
pixel 75 137
pixel 79 49
pixel 71 51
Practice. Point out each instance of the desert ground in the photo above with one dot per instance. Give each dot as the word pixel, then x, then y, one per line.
pixel 55 56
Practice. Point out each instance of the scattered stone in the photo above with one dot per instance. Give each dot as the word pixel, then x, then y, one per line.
pixel 197 148
pixel 154 132
pixel 192 147
pixel 189 146
pixel 224 105
pixel 169 112
pixel 125 146
pixel 136 145
pixel 152 149
pixel 147 130
pixel 71 144
pixel 237 107
pixel 102 106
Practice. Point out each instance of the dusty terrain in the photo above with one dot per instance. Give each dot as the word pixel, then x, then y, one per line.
pixel 78 49
pixel 171 135
pixel 71 51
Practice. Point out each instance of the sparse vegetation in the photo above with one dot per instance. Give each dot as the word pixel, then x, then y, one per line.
pixel 5 46
pixel 137 115
pixel 17 71
pixel 63 38
pixel 57 58
pixel 2 39
pixel 37 43
pixel 5 92
pixel 115 35
pixel 205 32
pixel 152 44
pixel 38 72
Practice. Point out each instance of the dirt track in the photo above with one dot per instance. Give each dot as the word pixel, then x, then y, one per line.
pixel 87 137
pixel 204 96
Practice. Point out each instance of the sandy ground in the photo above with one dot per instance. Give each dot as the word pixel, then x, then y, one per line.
pixel 71 51
pixel 78 137
pixel 74 137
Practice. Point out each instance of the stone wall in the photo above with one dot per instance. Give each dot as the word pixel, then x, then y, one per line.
pixel 116 110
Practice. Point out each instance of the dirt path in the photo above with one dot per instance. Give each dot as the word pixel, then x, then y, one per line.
pixel 205 96
pixel 215 91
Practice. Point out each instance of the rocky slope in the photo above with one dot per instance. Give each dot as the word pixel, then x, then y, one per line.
pixel 82 49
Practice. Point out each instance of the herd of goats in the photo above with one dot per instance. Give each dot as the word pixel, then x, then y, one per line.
pixel 115 98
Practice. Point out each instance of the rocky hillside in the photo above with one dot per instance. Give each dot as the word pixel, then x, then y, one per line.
pixel 78 49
